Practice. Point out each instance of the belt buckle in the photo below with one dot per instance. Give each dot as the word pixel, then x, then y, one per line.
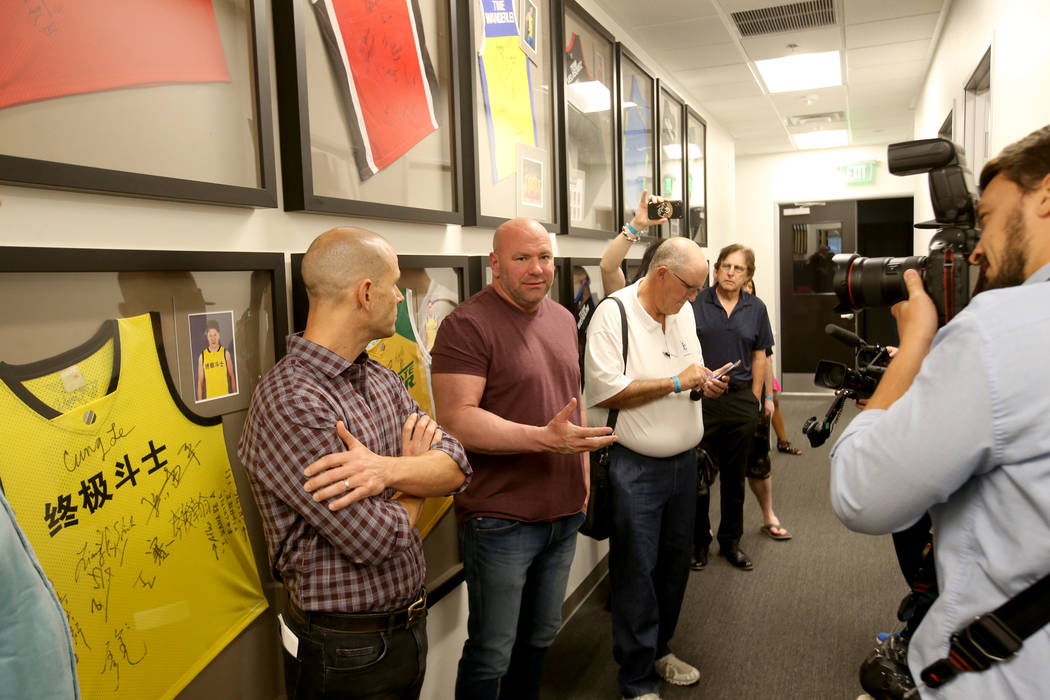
pixel 417 610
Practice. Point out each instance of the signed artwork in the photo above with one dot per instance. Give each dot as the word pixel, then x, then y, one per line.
pixel 130 503
pixel 379 56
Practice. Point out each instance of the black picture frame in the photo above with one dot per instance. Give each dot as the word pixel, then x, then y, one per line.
pixel 666 94
pixel 696 222
pixel 471 130
pixel 623 54
pixel 294 125
pixel 34 172
pixel 563 124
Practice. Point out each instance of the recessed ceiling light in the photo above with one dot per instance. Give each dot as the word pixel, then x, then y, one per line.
pixel 807 71
pixel 821 139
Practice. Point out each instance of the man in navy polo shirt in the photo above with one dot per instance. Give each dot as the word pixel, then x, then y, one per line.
pixel 732 325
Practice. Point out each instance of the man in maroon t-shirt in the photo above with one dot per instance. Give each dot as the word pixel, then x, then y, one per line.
pixel 507 384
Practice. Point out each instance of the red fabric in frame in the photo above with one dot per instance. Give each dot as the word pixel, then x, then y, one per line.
pixel 385 51
pixel 54 48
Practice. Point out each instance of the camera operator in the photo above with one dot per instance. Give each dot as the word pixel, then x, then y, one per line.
pixel 958 425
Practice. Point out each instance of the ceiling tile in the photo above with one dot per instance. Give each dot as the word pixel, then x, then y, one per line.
pixel 906 71
pixel 887 53
pixel 759 48
pixel 858 11
pixel 709 93
pixel 698 56
pixel 717 75
pixel 760 146
pixel 633 14
pixel 890 31
pixel 684 33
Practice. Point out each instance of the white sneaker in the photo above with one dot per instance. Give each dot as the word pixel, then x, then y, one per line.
pixel 647 696
pixel 675 671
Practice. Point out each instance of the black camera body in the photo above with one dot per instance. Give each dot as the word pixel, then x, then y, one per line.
pixel 862 282
pixel 671 209
pixel 848 383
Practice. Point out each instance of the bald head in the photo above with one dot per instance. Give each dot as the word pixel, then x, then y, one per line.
pixel 340 258
pixel 511 233
pixel 678 254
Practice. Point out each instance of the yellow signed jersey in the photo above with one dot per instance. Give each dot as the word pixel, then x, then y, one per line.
pixel 129 501
pixel 216 382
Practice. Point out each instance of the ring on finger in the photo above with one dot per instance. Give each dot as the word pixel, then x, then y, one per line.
pixel 346 484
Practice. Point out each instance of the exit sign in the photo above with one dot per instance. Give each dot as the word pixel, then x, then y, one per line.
pixel 859 173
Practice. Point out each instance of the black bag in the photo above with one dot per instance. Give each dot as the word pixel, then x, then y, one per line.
pixel 598 523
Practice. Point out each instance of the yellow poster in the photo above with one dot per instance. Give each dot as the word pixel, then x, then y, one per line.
pixel 129 501
pixel 506 85
pixel 402 354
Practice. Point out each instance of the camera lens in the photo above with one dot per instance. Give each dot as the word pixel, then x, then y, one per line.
pixel 862 282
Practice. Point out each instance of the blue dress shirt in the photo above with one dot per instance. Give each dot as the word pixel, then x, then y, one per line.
pixel 970 442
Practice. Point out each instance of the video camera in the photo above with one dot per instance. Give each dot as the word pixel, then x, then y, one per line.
pixel 847 383
pixel 862 282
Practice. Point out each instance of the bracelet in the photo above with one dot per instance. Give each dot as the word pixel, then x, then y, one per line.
pixel 677 385
pixel 630 234
pixel 769 398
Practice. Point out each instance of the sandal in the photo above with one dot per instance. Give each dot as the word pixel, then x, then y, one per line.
pixel 767 530
pixel 787 448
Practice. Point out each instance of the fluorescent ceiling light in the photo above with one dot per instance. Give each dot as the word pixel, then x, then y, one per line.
pixel 807 71
pixel 821 139
pixel 589 96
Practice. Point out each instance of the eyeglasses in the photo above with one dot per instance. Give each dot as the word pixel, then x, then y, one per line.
pixel 692 289
pixel 734 268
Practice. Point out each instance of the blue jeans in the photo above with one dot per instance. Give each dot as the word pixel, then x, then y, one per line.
pixel 653 505
pixel 516 576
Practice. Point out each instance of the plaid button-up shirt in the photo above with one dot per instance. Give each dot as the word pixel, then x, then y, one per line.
pixel 364 557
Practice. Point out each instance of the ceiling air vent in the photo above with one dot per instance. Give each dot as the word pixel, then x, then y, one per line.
pixel 785 18
pixel 816 119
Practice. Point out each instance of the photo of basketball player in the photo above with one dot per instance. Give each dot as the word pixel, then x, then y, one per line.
pixel 212 342
pixel 529 31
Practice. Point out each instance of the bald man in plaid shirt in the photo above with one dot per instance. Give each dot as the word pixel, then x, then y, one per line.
pixel 340 457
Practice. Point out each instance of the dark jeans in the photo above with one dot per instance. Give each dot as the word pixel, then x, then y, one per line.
pixel 729 428
pixel 516 576
pixel 652 507
pixel 336 665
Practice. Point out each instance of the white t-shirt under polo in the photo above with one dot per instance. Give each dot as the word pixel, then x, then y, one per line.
pixel 668 425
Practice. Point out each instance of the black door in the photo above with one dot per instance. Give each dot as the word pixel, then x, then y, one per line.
pixel 809 236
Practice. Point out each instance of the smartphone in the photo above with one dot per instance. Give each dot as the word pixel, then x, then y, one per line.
pixel 718 374
pixel 666 210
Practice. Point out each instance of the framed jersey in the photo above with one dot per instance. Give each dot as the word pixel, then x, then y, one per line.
pixel 129 490
pixel 637 143
pixel 164 99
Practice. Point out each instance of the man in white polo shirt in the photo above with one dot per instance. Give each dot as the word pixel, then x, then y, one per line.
pixel 652 469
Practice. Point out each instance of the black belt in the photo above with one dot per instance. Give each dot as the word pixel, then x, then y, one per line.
pixel 363 623
pixel 740 386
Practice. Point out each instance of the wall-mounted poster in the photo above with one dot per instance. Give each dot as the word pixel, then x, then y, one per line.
pixel 213 355
pixel 637 138
pixel 529 30
pixel 380 60
pixel 532 180
pixel 130 503
pixel 506 85
pixel 54 49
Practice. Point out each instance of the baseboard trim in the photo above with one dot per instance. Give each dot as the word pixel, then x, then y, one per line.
pixel 575 599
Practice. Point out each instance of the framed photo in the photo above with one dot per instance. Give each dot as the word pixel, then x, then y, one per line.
pixel 369 100
pixel 670 156
pixel 176 107
pixel 637 143
pixel 590 178
pixel 213 353
pixel 511 103
pixel 529 30
pixel 696 177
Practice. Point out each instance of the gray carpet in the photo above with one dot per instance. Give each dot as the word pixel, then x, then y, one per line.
pixel 796 627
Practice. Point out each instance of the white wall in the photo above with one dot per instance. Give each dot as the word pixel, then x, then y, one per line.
pixel 764 182
pixel 1016 31
pixel 39 217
